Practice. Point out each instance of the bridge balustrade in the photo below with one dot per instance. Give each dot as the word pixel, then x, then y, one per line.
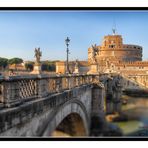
pixel 1 92
pixel 15 90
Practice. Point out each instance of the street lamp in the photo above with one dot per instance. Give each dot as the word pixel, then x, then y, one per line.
pixel 67 41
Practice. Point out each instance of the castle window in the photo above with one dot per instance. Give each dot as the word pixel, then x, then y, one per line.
pixel 111 46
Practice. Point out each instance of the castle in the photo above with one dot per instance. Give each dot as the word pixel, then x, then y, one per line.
pixel 112 56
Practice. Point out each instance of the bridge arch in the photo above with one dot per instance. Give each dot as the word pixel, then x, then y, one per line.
pixel 70 118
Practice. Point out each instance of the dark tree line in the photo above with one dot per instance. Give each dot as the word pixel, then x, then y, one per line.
pixel 29 66
pixel 4 62
pixel 46 65
pixel 15 61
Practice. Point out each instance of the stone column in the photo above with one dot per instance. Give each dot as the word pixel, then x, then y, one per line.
pixel 43 86
pixel 11 93
pixel 98 96
pixel 109 96
pixel 117 94
pixel 98 121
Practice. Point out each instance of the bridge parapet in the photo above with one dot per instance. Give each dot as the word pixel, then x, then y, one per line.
pixel 15 90
pixel 41 102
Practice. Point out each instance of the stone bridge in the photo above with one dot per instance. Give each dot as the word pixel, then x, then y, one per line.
pixel 43 105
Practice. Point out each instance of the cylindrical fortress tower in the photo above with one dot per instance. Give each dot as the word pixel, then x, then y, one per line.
pixel 113 49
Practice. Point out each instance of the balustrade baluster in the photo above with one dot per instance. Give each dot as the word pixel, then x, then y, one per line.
pixel 66 82
pixel 77 81
pixel 52 85
pixel 69 82
pixel 58 84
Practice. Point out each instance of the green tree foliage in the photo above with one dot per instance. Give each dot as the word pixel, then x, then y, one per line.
pixel 15 61
pixel 3 62
pixel 48 66
pixel 29 66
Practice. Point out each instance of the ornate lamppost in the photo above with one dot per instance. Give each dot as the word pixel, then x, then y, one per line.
pixel 67 41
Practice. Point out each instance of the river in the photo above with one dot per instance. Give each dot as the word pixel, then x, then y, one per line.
pixel 136 111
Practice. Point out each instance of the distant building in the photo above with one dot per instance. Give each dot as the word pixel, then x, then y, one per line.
pixel 61 67
pixel 113 49
pixel 19 67
pixel 112 56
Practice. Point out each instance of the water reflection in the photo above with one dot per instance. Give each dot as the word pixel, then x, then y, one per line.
pixel 136 113
pixel 129 127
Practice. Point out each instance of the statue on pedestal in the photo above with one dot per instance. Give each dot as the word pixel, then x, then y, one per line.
pixel 37 55
pixel 93 59
pixel 76 70
pixel 94 53
pixel 76 64
pixel 37 66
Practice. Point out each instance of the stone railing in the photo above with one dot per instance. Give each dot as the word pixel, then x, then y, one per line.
pixel 136 81
pixel 142 80
pixel 15 90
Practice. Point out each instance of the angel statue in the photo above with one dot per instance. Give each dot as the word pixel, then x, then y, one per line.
pixel 38 55
pixel 94 53
pixel 76 64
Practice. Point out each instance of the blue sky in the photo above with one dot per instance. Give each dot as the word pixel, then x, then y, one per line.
pixel 21 32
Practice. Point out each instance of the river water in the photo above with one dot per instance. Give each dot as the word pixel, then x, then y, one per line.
pixel 136 111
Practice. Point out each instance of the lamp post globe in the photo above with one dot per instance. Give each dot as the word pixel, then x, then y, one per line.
pixel 67 41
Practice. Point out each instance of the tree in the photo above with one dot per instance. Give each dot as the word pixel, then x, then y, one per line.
pixel 45 67
pixel 15 61
pixel 29 66
pixel 3 62
pixel 48 65
pixel 52 67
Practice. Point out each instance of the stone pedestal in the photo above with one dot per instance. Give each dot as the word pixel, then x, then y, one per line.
pixel 76 71
pixel 93 69
pixel 37 69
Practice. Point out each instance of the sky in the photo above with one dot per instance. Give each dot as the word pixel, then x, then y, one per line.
pixel 23 31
